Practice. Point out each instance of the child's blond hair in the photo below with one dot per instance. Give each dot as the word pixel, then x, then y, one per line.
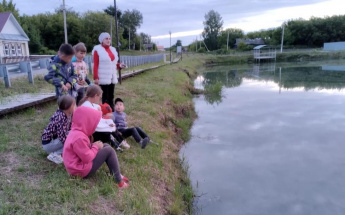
pixel 80 47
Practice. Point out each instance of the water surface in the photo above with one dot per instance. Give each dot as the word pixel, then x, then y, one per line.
pixel 271 141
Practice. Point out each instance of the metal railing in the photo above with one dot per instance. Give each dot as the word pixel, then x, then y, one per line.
pixel 42 62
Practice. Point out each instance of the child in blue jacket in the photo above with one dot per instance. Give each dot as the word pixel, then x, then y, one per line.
pixel 61 72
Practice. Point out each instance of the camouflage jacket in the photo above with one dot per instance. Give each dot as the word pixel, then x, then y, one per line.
pixel 60 73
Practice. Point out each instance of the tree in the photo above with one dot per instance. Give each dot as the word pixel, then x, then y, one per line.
pixel 212 26
pixel 110 11
pixel 178 43
pixel 234 33
pixel 130 21
pixel 145 38
pixel 9 7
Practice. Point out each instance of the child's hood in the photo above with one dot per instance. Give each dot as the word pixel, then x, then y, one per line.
pixel 86 119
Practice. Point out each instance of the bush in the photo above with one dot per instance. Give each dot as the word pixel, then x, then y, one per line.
pixel 45 51
pixel 202 50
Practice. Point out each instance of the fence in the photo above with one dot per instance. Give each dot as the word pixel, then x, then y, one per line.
pixel 132 61
pixel 42 63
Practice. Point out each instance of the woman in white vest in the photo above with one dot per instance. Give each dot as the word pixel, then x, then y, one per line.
pixel 105 64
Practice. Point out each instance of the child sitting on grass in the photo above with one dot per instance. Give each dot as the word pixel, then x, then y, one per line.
pixel 61 72
pixel 106 127
pixel 120 121
pixel 54 135
pixel 83 158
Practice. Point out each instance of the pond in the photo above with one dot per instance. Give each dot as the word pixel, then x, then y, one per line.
pixel 269 139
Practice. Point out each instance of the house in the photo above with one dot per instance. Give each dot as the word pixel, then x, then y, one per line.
pixel 13 40
pixel 148 47
pixel 253 42
pixel 160 48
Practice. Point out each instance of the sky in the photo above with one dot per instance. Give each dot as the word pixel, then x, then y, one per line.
pixel 184 18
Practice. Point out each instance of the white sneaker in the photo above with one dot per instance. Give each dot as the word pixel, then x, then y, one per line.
pixel 124 144
pixel 56 158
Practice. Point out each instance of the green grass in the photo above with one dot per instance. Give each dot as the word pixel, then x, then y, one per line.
pixel 159 101
pixel 21 85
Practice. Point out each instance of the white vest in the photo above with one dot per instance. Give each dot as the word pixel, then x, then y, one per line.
pixel 107 70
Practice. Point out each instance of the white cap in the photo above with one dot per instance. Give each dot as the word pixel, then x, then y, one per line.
pixel 102 36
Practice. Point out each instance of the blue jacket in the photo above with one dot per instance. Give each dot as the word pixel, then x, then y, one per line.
pixel 120 120
pixel 60 73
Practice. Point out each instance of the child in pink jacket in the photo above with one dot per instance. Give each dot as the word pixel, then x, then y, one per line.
pixel 83 158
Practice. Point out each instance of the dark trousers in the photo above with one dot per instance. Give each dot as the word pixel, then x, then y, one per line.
pixel 108 94
pixel 136 132
pixel 108 155
pixel 105 137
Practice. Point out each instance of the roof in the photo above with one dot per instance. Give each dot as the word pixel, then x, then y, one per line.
pixel 4 17
pixel 259 47
pixel 256 41
pixel 160 47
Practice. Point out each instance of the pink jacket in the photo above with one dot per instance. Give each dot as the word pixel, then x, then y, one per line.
pixel 78 152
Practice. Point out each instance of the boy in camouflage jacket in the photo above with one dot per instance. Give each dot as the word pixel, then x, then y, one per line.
pixel 61 72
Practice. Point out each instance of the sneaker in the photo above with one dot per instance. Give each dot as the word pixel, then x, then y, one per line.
pixel 124 144
pixel 125 179
pixel 123 185
pixel 56 158
pixel 144 142
pixel 119 149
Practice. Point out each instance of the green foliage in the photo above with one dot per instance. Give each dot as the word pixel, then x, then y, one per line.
pixel 212 26
pixel 178 43
pixel 300 32
pixel 9 7
pixel 242 46
pixel 234 33
pixel 201 50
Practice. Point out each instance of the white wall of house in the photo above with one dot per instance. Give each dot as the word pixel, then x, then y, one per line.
pixel 14 47
pixel 10 28
pixel 10 48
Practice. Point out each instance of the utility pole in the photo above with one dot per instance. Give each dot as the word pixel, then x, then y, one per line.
pixel 111 29
pixel 196 44
pixel 281 46
pixel 64 20
pixel 227 42
pixel 170 46
pixel 129 38
pixel 117 39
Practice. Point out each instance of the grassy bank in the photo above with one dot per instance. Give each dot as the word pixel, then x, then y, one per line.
pixel 295 56
pixel 160 102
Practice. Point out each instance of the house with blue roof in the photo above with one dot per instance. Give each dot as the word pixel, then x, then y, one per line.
pixel 13 40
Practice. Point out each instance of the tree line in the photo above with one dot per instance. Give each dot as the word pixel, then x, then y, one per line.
pixel 46 30
pixel 298 33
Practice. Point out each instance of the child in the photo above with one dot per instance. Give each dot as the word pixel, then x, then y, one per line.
pixel 83 158
pixel 54 135
pixel 120 121
pixel 108 115
pixel 82 70
pixel 105 127
pixel 61 72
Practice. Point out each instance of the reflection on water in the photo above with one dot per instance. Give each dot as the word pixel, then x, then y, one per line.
pixel 273 144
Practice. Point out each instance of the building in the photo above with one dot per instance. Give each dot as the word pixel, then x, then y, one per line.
pixel 13 40
pixel 160 48
pixel 253 42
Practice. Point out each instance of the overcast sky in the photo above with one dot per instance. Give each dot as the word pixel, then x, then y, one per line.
pixel 184 18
